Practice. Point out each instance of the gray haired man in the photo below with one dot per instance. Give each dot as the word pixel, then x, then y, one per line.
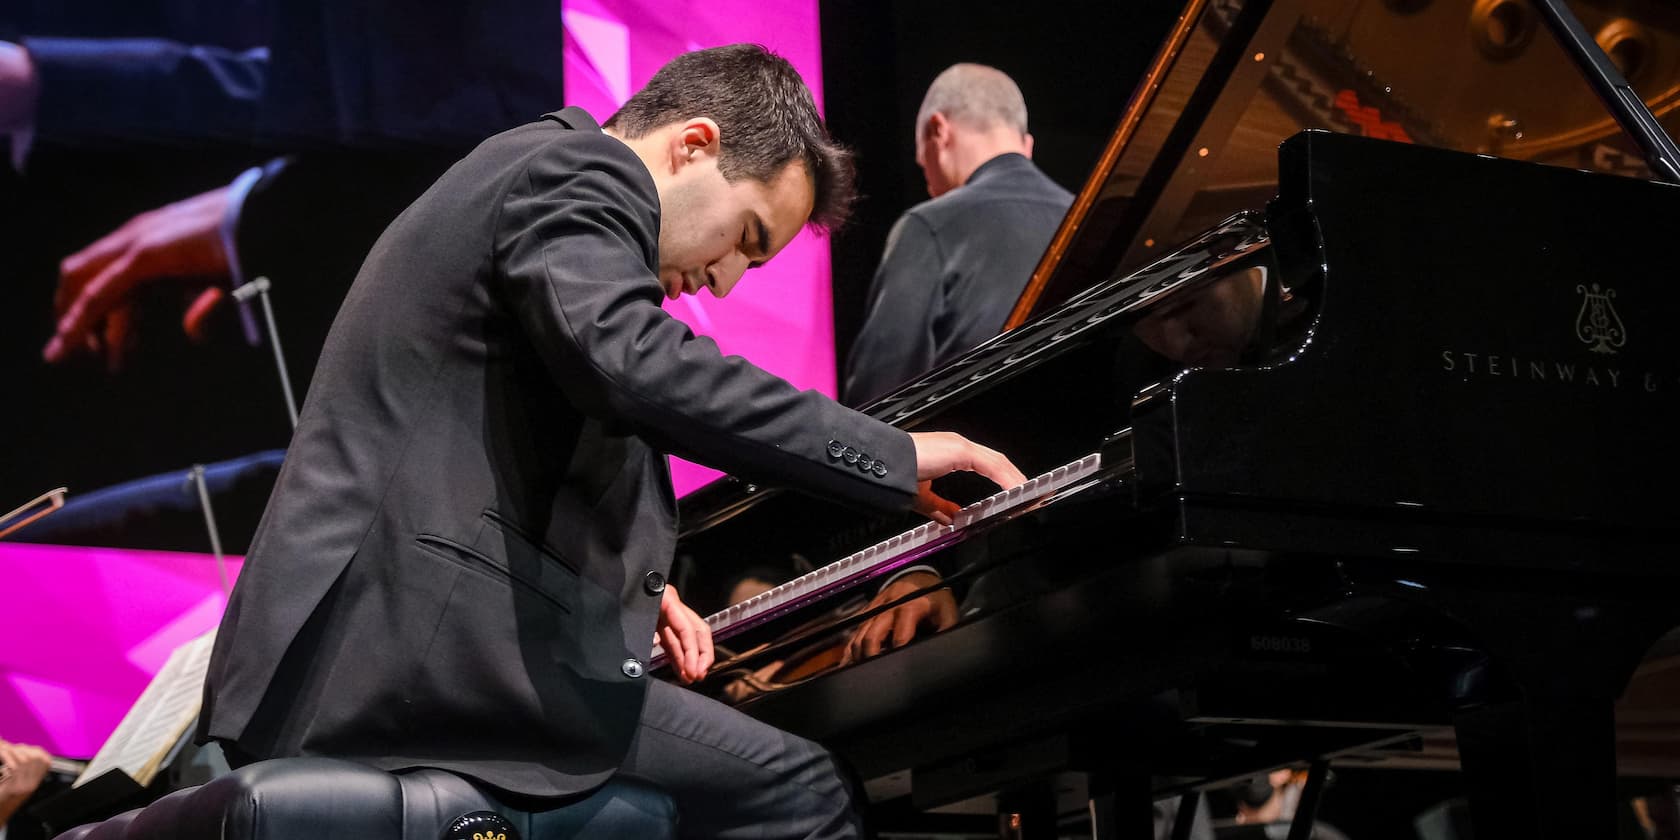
pixel 955 264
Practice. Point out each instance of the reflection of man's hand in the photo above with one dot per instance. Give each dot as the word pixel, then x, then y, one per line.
pixel 937 609
pixel 97 286
pixel 19 88
pixel 752 684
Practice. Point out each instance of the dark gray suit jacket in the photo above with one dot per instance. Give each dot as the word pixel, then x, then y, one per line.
pixel 461 562
pixel 952 270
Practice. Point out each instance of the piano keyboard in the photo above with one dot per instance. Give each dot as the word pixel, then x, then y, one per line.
pixel 888 554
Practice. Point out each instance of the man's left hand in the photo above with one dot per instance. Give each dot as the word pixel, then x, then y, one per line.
pixel 686 637
pixel 937 609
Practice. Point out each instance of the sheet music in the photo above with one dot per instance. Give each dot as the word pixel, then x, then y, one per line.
pixel 158 719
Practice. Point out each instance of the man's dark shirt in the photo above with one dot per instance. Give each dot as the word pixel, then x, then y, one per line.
pixel 952 270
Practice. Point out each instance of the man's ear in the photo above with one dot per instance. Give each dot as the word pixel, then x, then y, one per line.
pixel 1026 145
pixel 938 129
pixel 694 140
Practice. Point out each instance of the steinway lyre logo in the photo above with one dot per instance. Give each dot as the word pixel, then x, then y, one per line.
pixel 1598 324
pixel 489 835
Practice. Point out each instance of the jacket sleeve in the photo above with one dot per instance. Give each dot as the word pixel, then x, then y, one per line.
pixel 896 343
pixel 577 234
pixel 146 89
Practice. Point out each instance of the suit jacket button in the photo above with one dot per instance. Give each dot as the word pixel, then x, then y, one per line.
pixel 851 455
pixel 836 449
pixel 631 668
pixel 880 470
pixel 653 583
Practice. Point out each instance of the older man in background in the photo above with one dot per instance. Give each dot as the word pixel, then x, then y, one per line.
pixel 955 264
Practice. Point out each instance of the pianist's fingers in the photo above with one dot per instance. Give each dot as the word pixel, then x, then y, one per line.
pixel 686 637
pixel 690 647
pixel 995 466
pixel 672 644
pixel 904 625
pixel 700 640
pixel 939 453
pixel 866 641
pixel 934 506
pixel 936 609
pixel 678 647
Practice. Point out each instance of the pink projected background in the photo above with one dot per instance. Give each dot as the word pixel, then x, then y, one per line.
pixel 780 317
pixel 82 630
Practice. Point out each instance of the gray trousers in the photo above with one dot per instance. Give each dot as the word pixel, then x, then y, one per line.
pixel 730 775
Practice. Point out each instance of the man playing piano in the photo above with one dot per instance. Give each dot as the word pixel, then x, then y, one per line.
pixel 463 562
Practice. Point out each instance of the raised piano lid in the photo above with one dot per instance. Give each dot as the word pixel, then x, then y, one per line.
pixel 1235 78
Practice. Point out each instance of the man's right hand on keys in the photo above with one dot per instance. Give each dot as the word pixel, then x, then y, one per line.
pixel 942 453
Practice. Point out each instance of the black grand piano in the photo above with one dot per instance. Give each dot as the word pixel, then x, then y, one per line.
pixel 1350 384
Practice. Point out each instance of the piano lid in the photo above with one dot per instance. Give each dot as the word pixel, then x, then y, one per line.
pixel 1199 139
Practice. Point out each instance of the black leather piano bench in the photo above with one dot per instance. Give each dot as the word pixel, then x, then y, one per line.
pixel 330 799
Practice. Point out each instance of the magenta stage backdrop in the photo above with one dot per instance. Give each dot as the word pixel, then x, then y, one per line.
pixel 781 316
pixel 82 630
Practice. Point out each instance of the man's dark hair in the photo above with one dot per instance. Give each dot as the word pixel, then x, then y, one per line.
pixel 766 119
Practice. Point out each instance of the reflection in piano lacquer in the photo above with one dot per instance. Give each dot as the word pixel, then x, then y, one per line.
pixel 890 555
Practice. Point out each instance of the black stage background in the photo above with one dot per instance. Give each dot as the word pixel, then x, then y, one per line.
pixel 1076 63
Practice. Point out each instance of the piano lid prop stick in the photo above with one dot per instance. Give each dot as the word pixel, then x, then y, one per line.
pixel 1619 97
